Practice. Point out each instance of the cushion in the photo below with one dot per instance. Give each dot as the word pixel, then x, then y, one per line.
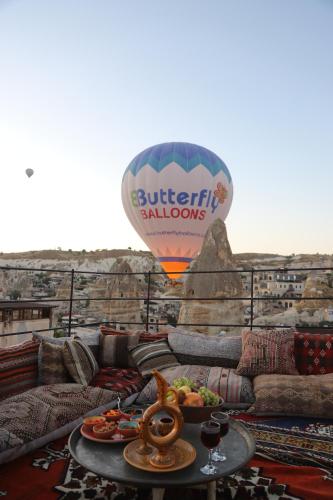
pixel 314 353
pixel 294 395
pixel 80 362
pixel 18 368
pixel 36 417
pixel 236 390
pixel 51 367
pixel 114 349
pixel 153 355
pixel 267 351
pixel 193 348
pixel 126 381
pixel 90 339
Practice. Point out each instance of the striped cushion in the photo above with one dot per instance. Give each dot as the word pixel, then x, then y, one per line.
pixel 114 349
pixel 80 362
pixel 236 390
pixel 18 368
pixel 153 355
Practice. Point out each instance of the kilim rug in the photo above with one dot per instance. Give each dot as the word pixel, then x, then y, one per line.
pixel 293 461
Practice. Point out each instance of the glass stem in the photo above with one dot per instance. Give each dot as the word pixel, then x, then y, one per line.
pixel 210 460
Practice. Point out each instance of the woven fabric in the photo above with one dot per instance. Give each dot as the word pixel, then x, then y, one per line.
pixel 31 416
pixel 296 395
pixel 80 362
pixel 126 381
pixel 114 349
pixel 235 390
pixel 152 355
pixel 18 368
pixel 267 351
pixel 314 353
pixel 51 367
pixel 193 348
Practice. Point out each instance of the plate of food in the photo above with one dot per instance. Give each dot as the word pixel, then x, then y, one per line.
pixel 111 432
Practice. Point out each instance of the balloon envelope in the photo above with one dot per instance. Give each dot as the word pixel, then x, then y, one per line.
pixel 29 172
pixel 171 194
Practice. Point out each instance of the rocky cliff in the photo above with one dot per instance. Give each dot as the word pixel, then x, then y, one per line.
pixel 215 256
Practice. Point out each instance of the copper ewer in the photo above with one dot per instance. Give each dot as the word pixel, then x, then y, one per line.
pixel 164 456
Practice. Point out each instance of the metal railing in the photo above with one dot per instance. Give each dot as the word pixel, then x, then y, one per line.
pixel 252 298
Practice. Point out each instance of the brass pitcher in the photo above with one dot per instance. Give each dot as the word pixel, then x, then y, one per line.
pixel 164 456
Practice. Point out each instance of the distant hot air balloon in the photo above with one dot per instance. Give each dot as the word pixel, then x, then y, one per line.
pixel 29 172
pixel 171 194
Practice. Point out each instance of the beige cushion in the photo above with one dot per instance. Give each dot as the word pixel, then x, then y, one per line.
pixel 267 351
pixel 51 367
pixel 80 362
pixel 294 395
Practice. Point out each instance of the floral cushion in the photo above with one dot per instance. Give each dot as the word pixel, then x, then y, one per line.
pixel 31 419
pixel 294 395
pixel 267 351
pixel 314 353
pixel 235 390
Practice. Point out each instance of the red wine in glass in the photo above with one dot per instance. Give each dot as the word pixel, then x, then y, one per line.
pixel 223 420
pixel 210 437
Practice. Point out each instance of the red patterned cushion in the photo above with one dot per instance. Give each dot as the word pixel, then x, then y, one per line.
pixel 125 380
pixel 267 351
pixel 18 368
pixel 314 353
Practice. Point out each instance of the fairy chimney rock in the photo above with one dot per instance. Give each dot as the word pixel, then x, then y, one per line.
pixel 215 256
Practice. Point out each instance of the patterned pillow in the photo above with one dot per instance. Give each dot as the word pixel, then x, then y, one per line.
pixel 114 349
pixel 51 368
pixel 267 351
pixel 18 368
pixel 153 355
pixel 80 362
pixel 236 390
pixel 296 395
pixel 314 353
pixel 192 348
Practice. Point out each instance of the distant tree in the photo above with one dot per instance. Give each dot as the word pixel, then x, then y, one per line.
pixel 14 294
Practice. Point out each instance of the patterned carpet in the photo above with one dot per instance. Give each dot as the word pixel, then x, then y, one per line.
pixel 50 473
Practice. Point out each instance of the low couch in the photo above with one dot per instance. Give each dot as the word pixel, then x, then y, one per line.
pixel 270 372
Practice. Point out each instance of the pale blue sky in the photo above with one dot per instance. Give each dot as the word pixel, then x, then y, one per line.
pixel 86 85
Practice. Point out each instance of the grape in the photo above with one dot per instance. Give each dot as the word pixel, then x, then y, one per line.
pixel 209 397
pixel 179 382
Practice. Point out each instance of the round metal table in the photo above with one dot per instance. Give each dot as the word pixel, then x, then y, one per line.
pixel 107 460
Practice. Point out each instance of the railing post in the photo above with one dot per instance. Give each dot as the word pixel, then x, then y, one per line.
pixel 148 299
pixel 252 301
pixel 71 304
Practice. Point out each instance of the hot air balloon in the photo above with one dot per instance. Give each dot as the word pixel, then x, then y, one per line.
pixel 29 172
pixel 171 194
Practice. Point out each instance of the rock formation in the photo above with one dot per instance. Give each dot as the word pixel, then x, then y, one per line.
pixel 124 285
pixel 215 256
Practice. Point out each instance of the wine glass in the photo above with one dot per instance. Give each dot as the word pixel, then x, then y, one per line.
pixel 210 437
pixel 223 420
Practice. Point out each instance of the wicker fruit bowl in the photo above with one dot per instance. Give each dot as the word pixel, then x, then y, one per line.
pixel 198 414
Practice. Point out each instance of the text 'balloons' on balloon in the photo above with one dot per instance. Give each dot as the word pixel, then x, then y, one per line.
pixel 29 172
pixel 171 194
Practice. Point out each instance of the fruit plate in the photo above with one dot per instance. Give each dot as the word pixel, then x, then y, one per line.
pixel 116 438
pixel 198 414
